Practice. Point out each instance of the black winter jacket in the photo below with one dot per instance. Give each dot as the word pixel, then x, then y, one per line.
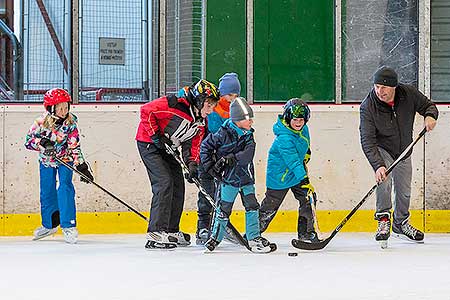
pixel 391 128
pixel 231 139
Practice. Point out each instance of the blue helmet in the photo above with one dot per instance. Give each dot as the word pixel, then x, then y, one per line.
pixel 296 108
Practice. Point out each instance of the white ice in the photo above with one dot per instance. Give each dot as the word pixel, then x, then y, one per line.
pixel 352 266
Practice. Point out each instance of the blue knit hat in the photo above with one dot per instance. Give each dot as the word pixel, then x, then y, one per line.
pixel 229 84
pixel 240 110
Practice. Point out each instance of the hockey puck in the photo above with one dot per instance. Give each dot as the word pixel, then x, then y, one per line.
pixel 292 254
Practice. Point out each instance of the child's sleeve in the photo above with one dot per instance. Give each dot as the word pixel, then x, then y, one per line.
pixel 33 137
pixel 207 151
pixel 245 157
pixel 73 145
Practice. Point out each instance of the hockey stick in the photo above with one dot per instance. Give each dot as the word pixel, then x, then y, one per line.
pixel 233 229
pixel 312 201
pixel 320 245
pixel 100 187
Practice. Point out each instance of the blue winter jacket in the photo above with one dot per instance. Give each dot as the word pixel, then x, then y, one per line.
pixel 285 167
pixel 231 139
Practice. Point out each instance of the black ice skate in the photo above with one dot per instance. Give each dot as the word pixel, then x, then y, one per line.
pixel 384 229
pixel 160 240
pixel 407 232
pixel 261 245
pixel 202 236
pixel 309 237
pixel 183 239
pixel 210 245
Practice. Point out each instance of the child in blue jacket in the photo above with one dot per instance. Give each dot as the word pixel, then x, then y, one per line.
pixel 228 156
pixel 286 168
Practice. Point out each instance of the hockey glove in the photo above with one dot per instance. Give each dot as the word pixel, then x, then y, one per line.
pixel 193 172
pixel 305 184
pixel 230 159
pixel 49 147
pixel 84 169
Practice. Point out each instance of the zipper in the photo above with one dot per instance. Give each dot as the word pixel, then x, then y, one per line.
pixel 398 129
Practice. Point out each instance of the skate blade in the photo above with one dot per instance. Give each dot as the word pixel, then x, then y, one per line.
pixel 383 244
pixel 268 249
pixel 37 238
pixel 152 245
pixel 405 238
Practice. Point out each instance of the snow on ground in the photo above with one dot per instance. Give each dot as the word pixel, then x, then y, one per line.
pixel 352 266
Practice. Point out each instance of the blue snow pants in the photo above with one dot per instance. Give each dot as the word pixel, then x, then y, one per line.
pixel 57 204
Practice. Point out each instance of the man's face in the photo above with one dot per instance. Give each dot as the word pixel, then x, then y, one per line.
pixel 384 93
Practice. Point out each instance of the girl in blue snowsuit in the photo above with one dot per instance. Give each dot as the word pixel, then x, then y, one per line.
pixel 286 168
pixel 228 156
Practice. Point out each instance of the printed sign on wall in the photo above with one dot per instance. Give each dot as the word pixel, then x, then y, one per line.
pixel 112 51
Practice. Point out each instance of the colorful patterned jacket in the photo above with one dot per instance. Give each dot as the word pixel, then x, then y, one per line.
pixel 65 136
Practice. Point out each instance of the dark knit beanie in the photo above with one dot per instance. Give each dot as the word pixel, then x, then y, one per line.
pixel 240 110
pixel 385 76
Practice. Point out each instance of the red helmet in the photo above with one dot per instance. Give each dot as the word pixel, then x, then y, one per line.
pixel 55 96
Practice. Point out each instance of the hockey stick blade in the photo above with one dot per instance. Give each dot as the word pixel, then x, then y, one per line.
pixel 321 244
pixel 185 169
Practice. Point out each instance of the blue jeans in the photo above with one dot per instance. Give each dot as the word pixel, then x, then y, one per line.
pixel 57 204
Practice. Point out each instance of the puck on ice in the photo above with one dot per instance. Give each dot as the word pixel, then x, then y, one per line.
pixel 292 254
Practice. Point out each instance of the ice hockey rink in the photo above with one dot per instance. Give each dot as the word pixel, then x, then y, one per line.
pixel 352 266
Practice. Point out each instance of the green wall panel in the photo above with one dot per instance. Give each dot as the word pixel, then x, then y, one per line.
pixel 226 40
pixel 294 50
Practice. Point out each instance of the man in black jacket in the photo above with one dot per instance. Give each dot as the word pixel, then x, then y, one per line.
pixel 386 125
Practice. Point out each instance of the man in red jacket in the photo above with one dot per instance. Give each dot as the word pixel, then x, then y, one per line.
pixel 177 122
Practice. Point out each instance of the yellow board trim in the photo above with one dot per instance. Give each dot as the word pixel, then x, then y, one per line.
pixel 437 221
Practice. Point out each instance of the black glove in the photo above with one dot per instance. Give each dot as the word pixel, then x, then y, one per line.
pixel 84 169
pixel 193 172
pixel 217 169
pixel 230 159
pixel 49 146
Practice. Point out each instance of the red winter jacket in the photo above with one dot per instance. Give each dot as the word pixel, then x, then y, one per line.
pixel 173 117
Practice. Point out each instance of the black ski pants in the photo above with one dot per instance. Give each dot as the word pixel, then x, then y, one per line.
pixel 204 208
pixel 272 202
pixel 167 182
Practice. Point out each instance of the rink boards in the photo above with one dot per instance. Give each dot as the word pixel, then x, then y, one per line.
pixel 338 169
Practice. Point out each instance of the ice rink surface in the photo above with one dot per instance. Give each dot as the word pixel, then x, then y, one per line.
pixel 352 266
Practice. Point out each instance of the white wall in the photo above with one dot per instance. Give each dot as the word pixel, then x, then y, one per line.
pixel 338 168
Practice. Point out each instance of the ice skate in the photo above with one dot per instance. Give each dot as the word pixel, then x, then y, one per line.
pixel 70 235
pixel 261 245
pixel 309 237
pixel 160 240
pixel 202 236
pixel 407 232
pixel 383 230
pixel 183 239
pixel 211 245
pixel 42 232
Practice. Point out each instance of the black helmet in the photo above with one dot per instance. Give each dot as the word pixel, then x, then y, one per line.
pixel 296 108
pixel 202 90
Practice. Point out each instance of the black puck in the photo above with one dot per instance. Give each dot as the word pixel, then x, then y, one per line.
pixel 292 254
